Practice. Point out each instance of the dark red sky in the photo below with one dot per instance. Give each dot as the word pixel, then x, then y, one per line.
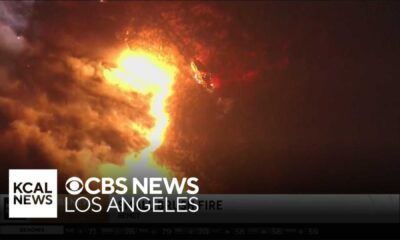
pixel 313 86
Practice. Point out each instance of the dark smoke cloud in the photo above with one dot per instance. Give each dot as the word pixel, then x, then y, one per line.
pixel 55 109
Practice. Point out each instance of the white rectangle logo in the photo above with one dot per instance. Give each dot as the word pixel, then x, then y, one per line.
pixel 32 193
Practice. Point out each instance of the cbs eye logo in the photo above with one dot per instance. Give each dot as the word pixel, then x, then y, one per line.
pixel 74 185
pixel 95 185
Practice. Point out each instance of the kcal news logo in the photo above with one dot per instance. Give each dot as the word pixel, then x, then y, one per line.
pixel 32 193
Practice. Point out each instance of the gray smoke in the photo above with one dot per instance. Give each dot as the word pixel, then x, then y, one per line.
pixel 14 18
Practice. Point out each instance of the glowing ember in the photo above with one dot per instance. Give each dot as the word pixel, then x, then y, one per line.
pixel 144 73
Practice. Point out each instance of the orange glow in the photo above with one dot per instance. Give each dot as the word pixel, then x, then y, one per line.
pixel 144 73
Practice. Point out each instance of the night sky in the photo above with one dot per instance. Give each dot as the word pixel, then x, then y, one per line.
pixel 308 101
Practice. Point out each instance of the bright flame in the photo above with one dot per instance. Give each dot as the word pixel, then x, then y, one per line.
pixel 144 73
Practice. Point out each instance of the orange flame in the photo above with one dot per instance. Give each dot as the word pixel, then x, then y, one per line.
pixel 145 73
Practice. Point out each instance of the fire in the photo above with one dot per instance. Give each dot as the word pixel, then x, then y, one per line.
pixel 144 73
